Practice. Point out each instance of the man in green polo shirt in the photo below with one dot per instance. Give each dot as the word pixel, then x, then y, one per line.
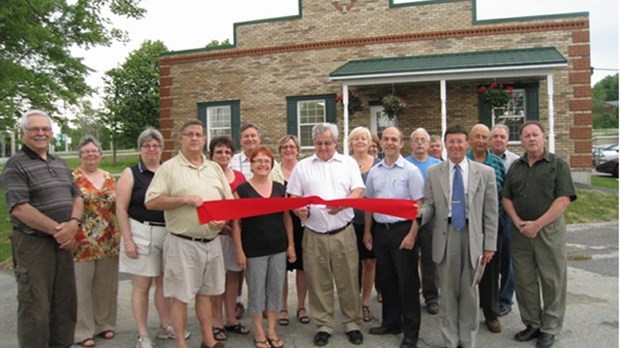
pixel 537 190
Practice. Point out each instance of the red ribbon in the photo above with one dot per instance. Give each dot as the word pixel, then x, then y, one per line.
pixel 229 209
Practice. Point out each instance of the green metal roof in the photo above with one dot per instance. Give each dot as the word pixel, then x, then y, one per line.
pixel 544 56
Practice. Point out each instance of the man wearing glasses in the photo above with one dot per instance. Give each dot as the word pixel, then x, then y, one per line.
pixel 45 206
pixel 194 265
pixel 329 242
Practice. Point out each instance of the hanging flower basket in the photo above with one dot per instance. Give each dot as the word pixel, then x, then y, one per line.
pixel 495 94
pixel 355 103
pixel 393 105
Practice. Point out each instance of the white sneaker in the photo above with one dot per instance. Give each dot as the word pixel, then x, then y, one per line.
pixel 144 342
pixel 168 333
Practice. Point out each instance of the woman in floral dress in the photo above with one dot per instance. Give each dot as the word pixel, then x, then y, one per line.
pixel 96 252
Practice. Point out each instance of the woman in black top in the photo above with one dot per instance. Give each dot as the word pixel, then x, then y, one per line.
pixel 263 243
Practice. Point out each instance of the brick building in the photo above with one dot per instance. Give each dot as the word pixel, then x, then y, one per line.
pixel 285 74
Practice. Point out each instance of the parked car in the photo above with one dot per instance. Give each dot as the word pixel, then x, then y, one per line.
pixel 610 166
pixel 601 155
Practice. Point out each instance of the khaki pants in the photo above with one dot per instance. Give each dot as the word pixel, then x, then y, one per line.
pixel 45 291
pixel 330 259
pixel 97 289
pixel 544 258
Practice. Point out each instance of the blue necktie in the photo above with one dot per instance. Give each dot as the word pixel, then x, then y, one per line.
pixel 458 200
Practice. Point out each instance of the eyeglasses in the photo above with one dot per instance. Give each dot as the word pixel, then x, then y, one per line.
pixel 39 129
pixel 150 147
pixel 192 135
pixel 262 161
pixel 88 152
pixel 323 143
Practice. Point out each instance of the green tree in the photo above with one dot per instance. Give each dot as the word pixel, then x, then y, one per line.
pixel 132 94
pixel 37 68
pixel 603 91
pixel 216 44
pixel 88 120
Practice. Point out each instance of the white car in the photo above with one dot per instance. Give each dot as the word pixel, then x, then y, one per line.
pixel 604 154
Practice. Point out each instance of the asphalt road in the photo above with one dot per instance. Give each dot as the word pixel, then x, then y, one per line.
pixel 591 316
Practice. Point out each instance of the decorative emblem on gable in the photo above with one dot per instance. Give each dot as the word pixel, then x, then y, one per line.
pixel 343 6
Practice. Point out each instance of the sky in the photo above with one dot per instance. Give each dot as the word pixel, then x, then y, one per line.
pixel 189 24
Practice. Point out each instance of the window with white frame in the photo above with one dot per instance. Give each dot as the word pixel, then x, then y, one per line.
pixel 219 121
pixel 309 113
pixel 513 114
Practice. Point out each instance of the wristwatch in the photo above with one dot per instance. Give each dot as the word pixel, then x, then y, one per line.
pixel 78 220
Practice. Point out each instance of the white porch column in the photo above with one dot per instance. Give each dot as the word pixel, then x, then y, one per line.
pixel 345 128
pixel 444 113
pixel 551 113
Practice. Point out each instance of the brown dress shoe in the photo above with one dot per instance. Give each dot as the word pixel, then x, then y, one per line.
pixel 494 326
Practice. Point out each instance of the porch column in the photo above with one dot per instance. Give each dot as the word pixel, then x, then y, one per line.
pixel 444 113
pixel 345 128
pixel 551 114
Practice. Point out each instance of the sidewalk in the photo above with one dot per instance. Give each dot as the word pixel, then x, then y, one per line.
pixel 591 320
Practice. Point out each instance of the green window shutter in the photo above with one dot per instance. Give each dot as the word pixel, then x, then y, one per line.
pixel 330 109
pixel 532 103
pixel 484 113
pixel 235 122
pixel 291 116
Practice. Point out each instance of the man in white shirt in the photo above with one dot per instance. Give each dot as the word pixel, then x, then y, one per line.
pixel 329 241
pixel 394 240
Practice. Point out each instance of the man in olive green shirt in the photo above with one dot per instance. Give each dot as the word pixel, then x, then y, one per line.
pixel 193 261
pixel 537 190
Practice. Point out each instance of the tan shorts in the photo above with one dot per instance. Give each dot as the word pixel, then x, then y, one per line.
pixel 150 242
pixel 229 250
pixel 192 268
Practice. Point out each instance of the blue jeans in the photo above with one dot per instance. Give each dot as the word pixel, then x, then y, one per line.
pixel 507 284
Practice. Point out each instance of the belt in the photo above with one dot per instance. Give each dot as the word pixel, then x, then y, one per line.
pixel 393 225
pixel 334 231
pixel 450 220
pixel 154 223
pixel 194 239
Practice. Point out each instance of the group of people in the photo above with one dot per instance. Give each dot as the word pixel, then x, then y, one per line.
pixel 489 223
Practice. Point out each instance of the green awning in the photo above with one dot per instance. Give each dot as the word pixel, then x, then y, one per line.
pixel 536 60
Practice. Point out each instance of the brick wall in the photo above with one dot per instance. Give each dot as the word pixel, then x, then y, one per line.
pixel 276 59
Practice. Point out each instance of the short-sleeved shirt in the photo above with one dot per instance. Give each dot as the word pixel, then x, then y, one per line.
pixel 47 185
pixel 402 180
pixel 533 189
pixel 179 177
pixel 423 166
pixel 335 178
pixel 263 235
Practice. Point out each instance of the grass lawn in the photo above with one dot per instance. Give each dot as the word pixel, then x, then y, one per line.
pixel 605 181
pixel 593 206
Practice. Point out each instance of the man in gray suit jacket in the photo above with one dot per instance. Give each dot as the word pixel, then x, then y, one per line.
pixel 458 236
